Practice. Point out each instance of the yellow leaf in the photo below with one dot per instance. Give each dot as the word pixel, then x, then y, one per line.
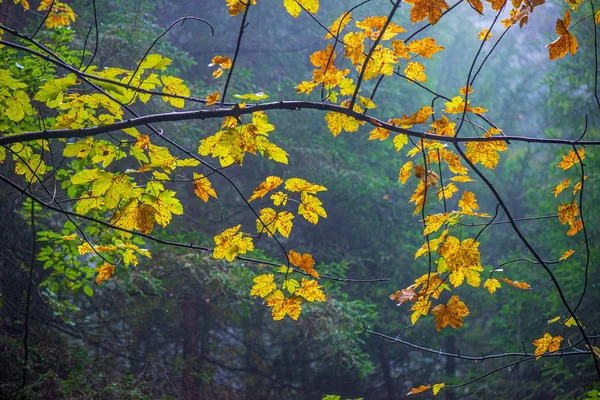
pixel 105 271
pixel 79 149
pixel 373 26
pixel 419 117
pixel 430 9
pixel 439 386
pixel 212 98
pixel 338 25
pixel 415 71
pixel 311 291
pixel 443 126
pixel 305 262
pixel 236 7
pixel 379 133
pixel 230 243
pixel 566 255
pixel 300 185
pixel 264 285
pixel 421 307
pixel 222 61
pixel 306 87
pixel 271 221
pixel 485 153
pixel 447 191
pixel 485 34
pixel 578 186
pixel 425 47
pixel 269 184
pixel 282 306
pixel 336 122
pixel 433 245
pixel 566 42
pixel 354 46
pixel 290 285
pixel 561 186
pixel 491 285
pixel 311 208
pixel 462 259
pixel 567 212
pixel 571 159
pixel 434 222
pixel 547 343
pixel 553 320
pixel 450 314
pixel 173 85
pixel 203 188
pixel 405 172
pixel 468 202
pixel 279 198
pixel 570 322
pixel 399 141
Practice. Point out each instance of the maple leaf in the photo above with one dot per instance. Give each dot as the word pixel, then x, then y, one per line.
pixel 305 262
pixel 567 212
pixel 336 122
pixel 400 49
pixel 373 26
pixel 212 98
pixel 338 25
pixel 484 35
pixel 431 245
pixel 521 285
pixel 203 188
pixel 546 343
pixel 468 202
pixel 430 9
pixel 415 71
pixel 450 314
pixel 354 46
pixel 486 153
pixel 279 198
pixel 238 6
pixel 419 117
pixel 282 306
pixel 300 185
pixel 447 191
pixel 491 285
pixel 379 133
pixel 418 390
pixel 432 285
pixel 105 271
pixel 566 42
pixel 566 255
pixel 571 159
pixel 561 186
pixel 269 184
pixel 294 9
pixel 60 14
pixel 421 307
pixel 404 295
pixel 434 222
pixel 311 291
pixel 462 260
pixel 230 243
pixel 405 172
pixel 578 186
pixel 443 126
pixel 271 221
pixel 264 285
pixel 173 85
pixel 439 386
pixel 425 47
pixel 311 208
pixel 382 62
pixel 575 226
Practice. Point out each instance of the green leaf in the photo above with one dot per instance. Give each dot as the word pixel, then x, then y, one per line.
pixel 88 291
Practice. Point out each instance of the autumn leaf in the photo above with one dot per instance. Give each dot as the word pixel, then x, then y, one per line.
pixel 491 285
pixel 404 295
pixel 439 386
pixel 271 221
pixel 305 262
pixel 415 71
pixel 173 85
pixel 421 307
pixel 203 188
pixel 269 184
pixel 311 208
pixel 561 186
pixel 521 285
pixel 571 159
pixel 486 153
pixel 462 260
pixel 60 14
pixel 311 291
pixel 282 306
pixel 553 320
pixel 547 343
pixel 425 47
pixel 485 35
pixel 566 42
pixel 468 202
pixel 430 9
pixel 566 255
pixel 419 117
pixel 212 98
pixel 434 222
pixel 338 25
pixel 294 9
pixel 300 185
pixel 105 271
pixel 230 243
pixel 373 26
pixel 238 6
pixel 443 127
pixel 405 172
pixel 418 390
pixel 567 212
pixel 570 322
pixel 451 313
pixel 264 285
pixel 379 133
